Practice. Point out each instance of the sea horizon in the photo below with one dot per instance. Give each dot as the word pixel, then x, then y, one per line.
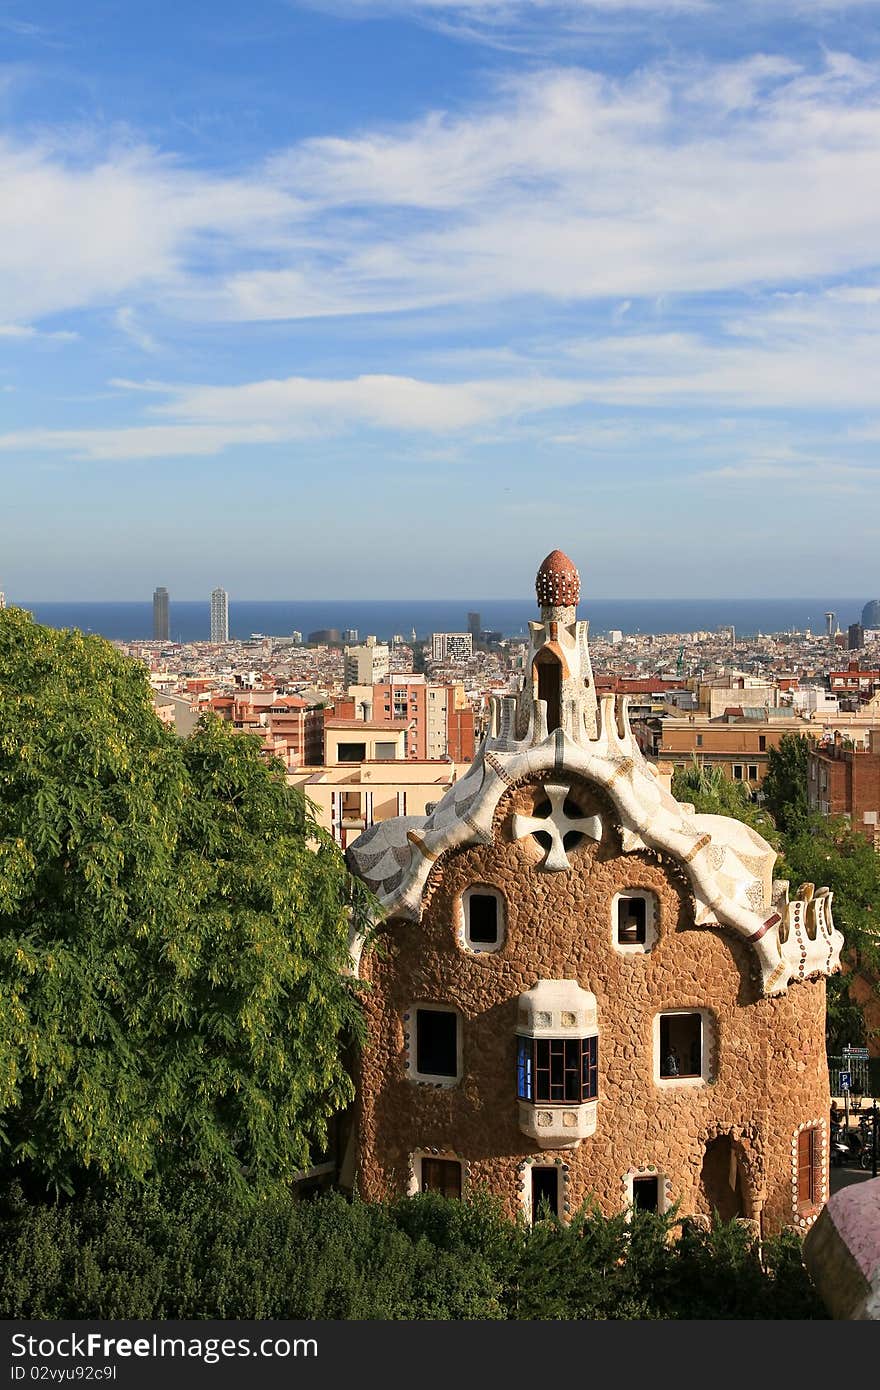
pixel 132 620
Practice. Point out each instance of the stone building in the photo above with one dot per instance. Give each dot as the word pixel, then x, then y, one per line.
pixel 583 988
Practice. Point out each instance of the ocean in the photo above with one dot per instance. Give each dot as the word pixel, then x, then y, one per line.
pixel 191 620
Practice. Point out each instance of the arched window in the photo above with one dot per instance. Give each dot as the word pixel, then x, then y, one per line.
pixel 549 680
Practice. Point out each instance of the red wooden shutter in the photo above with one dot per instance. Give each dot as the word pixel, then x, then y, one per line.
pixel 807 1188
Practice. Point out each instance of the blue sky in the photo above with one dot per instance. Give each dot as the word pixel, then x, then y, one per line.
pixel 359 298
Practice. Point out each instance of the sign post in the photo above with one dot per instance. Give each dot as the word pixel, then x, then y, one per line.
pixel 846 1087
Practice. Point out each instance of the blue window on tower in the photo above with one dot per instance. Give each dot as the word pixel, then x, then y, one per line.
pixel 561 1071
pixel 524 1068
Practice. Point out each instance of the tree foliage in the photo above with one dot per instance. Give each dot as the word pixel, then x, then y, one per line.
pixel 785 786
pixel 173 934
pixel 828 852
pixel 711 792
pixel 188 1252
pixel 815 849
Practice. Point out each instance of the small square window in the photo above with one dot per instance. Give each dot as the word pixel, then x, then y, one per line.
pixel 632 921
pixel 681 1046
pixel 634 917
pixel 436 1044
pixel 737 772
pixel 544 1182
pixel 699 740
pixel 646 1192
pixel 482 918
pixel 441 1175
pixel 753 772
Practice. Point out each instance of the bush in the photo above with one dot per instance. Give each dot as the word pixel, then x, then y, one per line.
pixel 188 1251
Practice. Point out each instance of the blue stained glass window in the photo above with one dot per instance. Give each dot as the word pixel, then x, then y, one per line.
pixel 524 1068
pixel 590 1068
pixel 560 1071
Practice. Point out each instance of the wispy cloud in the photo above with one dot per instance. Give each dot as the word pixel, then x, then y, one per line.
pixel 804 354
pixel 126 320
pixel 801 473
pixel 23 331
pixel 209 419
pixel 562 184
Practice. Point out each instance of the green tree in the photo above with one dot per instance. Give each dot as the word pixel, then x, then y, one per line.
pixel 711 792
pixel 785 786
pixel 173 935
pixel 829 853
pixel 184 1250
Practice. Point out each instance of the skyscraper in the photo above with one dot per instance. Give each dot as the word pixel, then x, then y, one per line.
pixel 219 615
pixel 161 621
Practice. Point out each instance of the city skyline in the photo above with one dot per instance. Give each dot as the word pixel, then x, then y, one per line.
pixel 420 288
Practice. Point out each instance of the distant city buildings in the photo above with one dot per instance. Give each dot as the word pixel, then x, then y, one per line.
pixel 219 616
pixel 845 781
pixel 161 615
pixel 367 664
pixel 453 646
pixel 871 613
pixel 2 599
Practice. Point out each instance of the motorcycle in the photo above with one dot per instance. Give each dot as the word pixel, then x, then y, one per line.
pixel 844 1148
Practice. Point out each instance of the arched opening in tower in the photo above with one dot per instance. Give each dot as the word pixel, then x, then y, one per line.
pixel 549 673
pixel 721 1180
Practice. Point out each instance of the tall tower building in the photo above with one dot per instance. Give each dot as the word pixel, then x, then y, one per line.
pixel 161 618
pixel 2 599
pixel 219 615
pixel 829 624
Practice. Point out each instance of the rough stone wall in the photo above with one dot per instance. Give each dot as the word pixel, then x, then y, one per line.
pixel 770 1074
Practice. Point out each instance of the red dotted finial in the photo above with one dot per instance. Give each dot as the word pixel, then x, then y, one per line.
pixel 558 584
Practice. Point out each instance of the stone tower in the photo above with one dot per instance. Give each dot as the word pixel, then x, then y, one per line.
pixel 585 989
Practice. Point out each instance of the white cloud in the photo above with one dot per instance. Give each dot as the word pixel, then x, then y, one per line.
pixel 572 186
pixel 803 474
pixel 27 331
pixel 562 184
pixel 80 227
pixel 126 320
pixel 209 419
pixel 805 354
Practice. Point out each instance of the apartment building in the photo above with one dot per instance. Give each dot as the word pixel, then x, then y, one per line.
pixel 738 741
pixel 456 647
pixel 367 663
pixel 352 797
pixel 845 781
